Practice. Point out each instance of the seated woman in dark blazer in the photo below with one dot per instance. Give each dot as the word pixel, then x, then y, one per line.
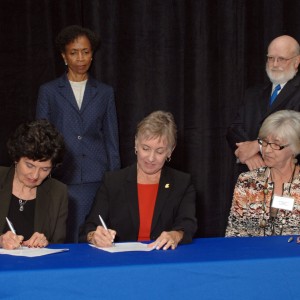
pixel 145 201
pixel 33 202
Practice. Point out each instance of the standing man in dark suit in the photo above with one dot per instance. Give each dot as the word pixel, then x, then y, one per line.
pixel 83 110
pixel 283 92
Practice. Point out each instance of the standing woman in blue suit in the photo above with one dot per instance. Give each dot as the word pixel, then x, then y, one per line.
pixel 83 110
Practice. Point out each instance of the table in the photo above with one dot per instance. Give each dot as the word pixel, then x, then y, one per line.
pixel 209 268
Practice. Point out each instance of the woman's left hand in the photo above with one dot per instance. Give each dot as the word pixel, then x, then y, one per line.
pixel 167 239
pixel 37 240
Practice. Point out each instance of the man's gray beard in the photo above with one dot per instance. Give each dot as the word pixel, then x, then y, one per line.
pixel 283 79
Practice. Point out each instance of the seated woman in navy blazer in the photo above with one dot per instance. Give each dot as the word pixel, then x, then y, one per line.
pixel 145 201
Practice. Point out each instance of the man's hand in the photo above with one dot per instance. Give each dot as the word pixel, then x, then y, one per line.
pixel 246 150
pixel 255 162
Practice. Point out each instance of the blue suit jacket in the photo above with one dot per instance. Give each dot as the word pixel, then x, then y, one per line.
pixel 90 133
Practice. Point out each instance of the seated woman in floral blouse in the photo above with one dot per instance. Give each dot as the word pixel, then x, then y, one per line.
pixel 266 201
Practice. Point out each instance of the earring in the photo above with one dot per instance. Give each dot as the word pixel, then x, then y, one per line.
pixel 295 160
pixel 168 159
pixel 66 63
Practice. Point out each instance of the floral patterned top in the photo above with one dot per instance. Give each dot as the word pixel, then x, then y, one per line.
pixel 250 210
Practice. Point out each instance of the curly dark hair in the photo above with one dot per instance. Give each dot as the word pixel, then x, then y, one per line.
pixel 71 33
pixel 37 140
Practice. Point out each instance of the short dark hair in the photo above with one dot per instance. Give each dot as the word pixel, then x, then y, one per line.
pixel 71 33
pixel 37 140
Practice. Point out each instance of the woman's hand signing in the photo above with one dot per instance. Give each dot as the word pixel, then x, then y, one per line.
pixel 102 237
pixel 10 241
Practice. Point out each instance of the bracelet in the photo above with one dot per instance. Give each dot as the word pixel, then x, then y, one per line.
pixel 90 236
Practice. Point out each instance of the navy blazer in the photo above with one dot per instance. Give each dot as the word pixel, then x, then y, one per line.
pixel 117 202
pixel 51 208
pixel 256 108
pixel 90 133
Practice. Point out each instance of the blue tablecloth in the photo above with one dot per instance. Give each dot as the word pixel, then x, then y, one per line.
pixel 210 268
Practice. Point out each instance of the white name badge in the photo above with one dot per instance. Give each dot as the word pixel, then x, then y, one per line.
pixel 286 203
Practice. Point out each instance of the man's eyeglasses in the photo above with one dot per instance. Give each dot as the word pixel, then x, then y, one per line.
pixel 280 60
pixel 274 146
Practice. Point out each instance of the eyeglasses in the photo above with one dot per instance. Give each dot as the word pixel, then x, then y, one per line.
pixel 280 60
pixel 274 146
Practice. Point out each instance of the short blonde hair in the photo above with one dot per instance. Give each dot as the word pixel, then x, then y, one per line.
pixel 157 125
pixel 284 125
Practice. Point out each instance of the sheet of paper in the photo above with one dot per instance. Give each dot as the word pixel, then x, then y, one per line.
pixel 31 252
pixel 125 247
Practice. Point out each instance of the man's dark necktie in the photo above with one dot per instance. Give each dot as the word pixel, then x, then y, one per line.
pixel 275 93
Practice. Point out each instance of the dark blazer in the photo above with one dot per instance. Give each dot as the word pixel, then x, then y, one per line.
pixel 117 202
pixel 256 108
pixel 51 208
pixel 90 133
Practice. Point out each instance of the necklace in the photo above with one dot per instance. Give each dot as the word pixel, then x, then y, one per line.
pixel 22 203
pixel 273 211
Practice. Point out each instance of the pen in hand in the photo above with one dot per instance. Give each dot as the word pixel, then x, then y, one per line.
pixel 104 226
pixel 11 227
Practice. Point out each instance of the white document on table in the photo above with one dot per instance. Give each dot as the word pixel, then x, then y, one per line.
pixel 31 252
pixel 125 247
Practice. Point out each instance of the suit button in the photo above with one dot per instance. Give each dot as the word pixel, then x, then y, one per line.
pixel 79 137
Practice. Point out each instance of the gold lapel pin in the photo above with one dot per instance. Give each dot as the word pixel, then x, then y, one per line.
pixel 167 185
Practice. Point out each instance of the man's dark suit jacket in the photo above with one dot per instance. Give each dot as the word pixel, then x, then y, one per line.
pixel 90 133
pixel 51 208
pixel 117 202
pixel 255 109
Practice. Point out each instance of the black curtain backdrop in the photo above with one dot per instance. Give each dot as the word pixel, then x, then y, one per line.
pixel 194 58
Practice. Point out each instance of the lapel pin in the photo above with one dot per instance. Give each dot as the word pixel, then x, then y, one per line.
pixel 167 185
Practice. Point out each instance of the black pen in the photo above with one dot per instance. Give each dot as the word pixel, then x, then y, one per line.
pixel 105 227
